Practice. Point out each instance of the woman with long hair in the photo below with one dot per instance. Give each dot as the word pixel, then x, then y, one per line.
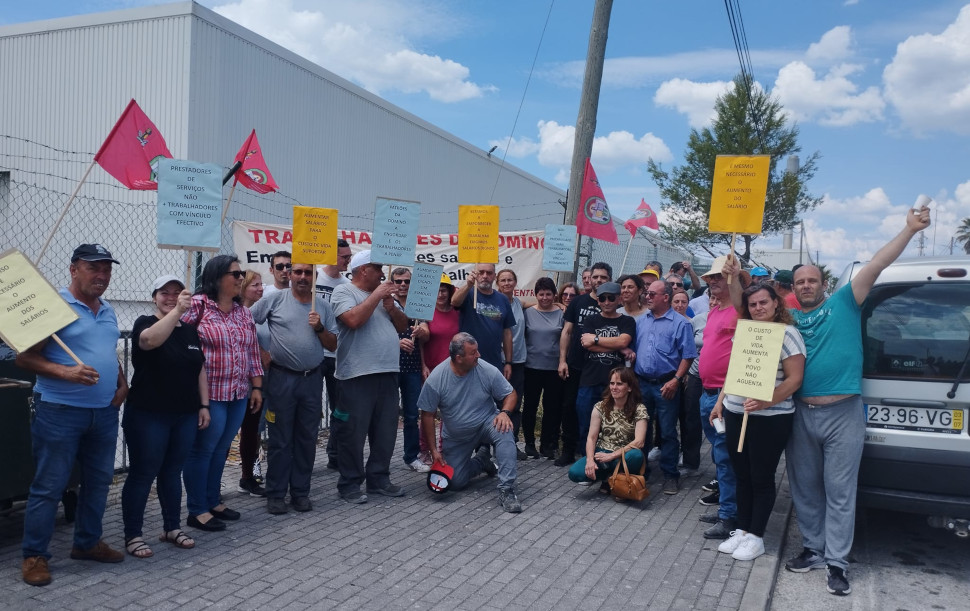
pixel 251 291
pixel 567 293
pixel 618 426
pixel 434 346
pixel 769 426
pixel 235 377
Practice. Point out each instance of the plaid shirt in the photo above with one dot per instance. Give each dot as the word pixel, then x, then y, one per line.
pixel 230 347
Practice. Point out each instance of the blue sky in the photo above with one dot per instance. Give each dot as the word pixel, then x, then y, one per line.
pixel 881 89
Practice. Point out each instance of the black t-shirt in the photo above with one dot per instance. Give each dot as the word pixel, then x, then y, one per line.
pixel 598 365
pixel 166 379
pixel 577 311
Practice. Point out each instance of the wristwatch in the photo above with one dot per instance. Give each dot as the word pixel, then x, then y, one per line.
pixel 507 412
pixel 596 340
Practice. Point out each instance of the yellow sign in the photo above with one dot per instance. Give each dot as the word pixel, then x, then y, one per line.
pixel 754 359
pixel 314 235
pixel 478 234
pixel 31 310
pixel 738 195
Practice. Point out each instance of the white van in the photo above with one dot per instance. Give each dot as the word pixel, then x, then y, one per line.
pixel 916 390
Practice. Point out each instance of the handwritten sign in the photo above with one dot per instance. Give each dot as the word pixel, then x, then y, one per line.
pixel 314 235
pixel 31 310
pixel 738 195
pixel 478 234
pixel 425 280
pixel 395 231
pixel 560 248
pixel 754 359
pixel 189 205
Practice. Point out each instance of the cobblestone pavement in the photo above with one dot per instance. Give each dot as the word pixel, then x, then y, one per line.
pixel 571 548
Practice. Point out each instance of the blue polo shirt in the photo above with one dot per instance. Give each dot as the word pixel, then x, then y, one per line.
pixel 94 339
pixel 662 343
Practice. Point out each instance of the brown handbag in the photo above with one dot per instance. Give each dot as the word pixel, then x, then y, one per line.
pixel 626 485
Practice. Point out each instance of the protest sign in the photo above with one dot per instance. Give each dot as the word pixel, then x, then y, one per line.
pixel 559 253
pixel 189 205
pixel 314 235
pixel 478 234
pixel 423 292
pixel 395 231
pixel 31 310
pixel 254 244
pixel 754 359
pixel 738 194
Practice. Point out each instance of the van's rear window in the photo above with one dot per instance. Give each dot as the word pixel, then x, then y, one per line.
pixel 916 330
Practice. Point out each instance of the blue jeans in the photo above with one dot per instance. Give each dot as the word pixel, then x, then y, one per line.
pixel 410 385
pixel 722 460
pixel 207 458
pixel 60 434
pixel 634 460
pixel 158 444
pixel 667 414
pixel 586 399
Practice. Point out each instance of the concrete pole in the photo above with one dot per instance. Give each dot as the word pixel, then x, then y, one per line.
pixel 588 104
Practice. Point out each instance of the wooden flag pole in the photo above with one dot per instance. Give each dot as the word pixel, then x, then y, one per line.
pixel 628 245
pixel 475 296
pixel 64 347
pixel 188 269
pixel 744 428
pixel 67 205
pixel 730 257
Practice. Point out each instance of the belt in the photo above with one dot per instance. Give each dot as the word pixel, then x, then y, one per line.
pixel 712 391
pixel 659 380
pixel 295 372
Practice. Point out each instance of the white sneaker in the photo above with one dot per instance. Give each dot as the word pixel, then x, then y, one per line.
pixel 653 455
pixel 731 543
pixel 750 548
pixel 419 466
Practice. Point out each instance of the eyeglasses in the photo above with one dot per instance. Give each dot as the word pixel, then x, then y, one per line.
pixel 605 298
pixel 281 266
pixel 237 274
pixel 402 281
pixel 652 294
pixel 301 272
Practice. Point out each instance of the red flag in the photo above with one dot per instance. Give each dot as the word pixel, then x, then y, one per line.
pixel 594 218
pixel 643 216
pixel 254 174
pixel 132 150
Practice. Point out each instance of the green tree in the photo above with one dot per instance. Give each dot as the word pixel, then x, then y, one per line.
pixel 963 235
pixel 748 122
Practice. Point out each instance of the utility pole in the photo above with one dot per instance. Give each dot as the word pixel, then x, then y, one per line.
pixel 586 120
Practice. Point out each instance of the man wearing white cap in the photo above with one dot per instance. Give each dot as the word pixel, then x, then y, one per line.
pixel 367 368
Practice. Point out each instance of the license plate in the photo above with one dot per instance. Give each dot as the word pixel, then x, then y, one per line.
pixel 921 419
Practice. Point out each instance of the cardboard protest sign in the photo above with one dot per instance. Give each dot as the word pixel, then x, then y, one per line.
pixel 754 359
pixel 738 194
pixel 189 205
pixel 423 292
pixel 31 310
pixel 559 253
pixel 478 234
pixel 395 231
pixel 314 235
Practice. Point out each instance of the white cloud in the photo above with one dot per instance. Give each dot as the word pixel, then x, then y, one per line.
pixel 831 100
pixel 835 45
pixel 367 41
pixel 696 100
pixel 928 80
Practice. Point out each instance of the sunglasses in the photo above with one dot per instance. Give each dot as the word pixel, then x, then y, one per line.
pixel 402 281
pixel 238 274
pixel 652 294
pixel 676 283
pixel 607 297
pixel 281 266
pixel 301 272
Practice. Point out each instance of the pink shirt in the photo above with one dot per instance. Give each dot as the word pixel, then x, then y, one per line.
pixel 442 328
pixel 716 351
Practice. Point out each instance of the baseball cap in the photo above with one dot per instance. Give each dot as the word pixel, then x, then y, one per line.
pixel 716 266
pixel 163 280
pixel 650 270
pixel 608 288
pixel 439 478
pixel 92 252
pixel 446 279
pixel 784 276
pixel 759 271
pixel 361 258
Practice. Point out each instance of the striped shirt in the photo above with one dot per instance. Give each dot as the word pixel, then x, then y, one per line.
pixel 793 344
pixel 229 344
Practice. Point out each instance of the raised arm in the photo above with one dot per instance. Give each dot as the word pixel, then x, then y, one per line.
pixel 916 221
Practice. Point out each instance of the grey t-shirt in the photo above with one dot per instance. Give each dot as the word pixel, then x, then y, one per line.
pixel 466 402
pixel 371 348
pixel 325 287
pixel 518 332
pixel 542 333
pixel 293 344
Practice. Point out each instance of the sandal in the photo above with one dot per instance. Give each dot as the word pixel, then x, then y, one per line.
pixel 137 547
pixel 178 539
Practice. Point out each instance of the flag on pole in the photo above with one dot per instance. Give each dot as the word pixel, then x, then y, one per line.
pixel 132 150
pixel 253 174
pixel 643 216
pixel 594 219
